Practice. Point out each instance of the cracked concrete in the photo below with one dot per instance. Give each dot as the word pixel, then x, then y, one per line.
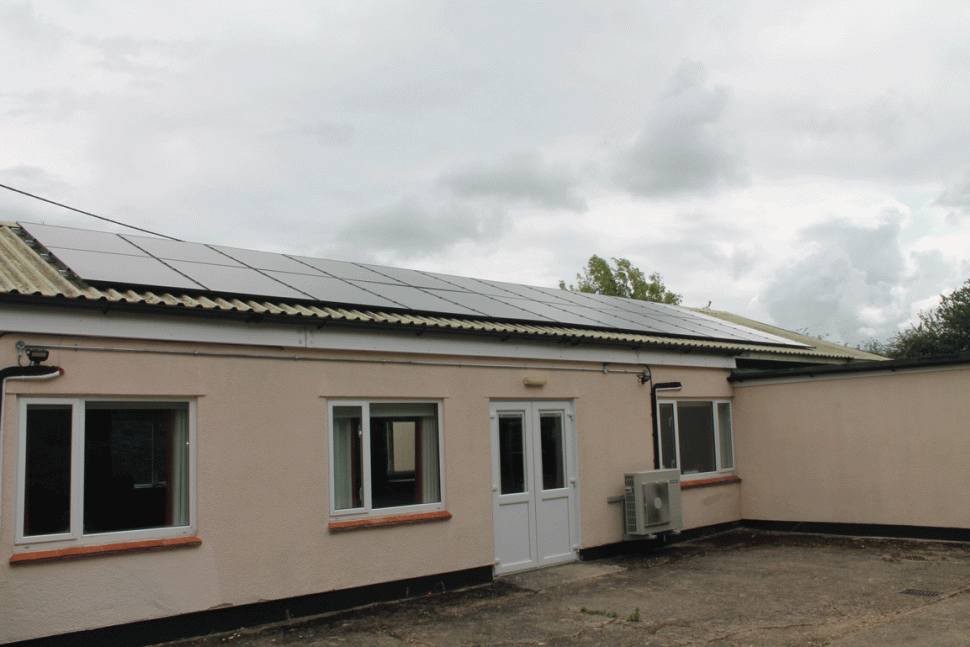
pixel 736 589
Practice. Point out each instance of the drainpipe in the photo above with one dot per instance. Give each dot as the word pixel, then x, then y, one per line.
pixel 32 372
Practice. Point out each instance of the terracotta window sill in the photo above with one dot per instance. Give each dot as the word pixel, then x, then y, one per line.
pixel 720 480
pixel 105 549
pixel 385 522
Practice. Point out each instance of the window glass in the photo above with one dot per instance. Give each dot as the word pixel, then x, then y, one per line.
pixel 668 441
pixel 135 467
pixel 553 451
pixel 511 443
pixel 47 474
pixel 695 426
pixel 104 467
pixel 385 455
pixel 724 430
pixel 347 458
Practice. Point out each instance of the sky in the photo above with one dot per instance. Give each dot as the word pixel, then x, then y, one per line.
pixel 806 164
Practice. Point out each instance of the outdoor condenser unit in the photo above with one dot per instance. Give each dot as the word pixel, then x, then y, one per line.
pixel 652 502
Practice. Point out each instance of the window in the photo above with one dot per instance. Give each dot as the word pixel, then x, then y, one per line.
pixel 92 468
pixel 385 455
pixel 698 432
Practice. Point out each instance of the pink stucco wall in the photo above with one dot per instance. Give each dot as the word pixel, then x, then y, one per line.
pixel 262 478
pixel 886 448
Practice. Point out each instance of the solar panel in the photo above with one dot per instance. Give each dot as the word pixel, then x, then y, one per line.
pixel 91 241
pixel 413 278
pixel 174 250
pixel 416 299
pixel 334 291
pixel 472 285
pixel 344 270
pixel 165 264
pixel 236 280
pixel 491 307
pixel 267 260
pixel 552 313
pixel 123 269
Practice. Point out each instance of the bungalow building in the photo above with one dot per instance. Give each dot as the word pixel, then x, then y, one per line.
pixel 196 438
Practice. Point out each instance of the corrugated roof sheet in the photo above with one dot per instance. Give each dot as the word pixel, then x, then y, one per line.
pixel 820 344
pixel 26 274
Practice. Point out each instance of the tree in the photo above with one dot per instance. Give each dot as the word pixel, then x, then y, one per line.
pixel 622 281
pixel 943 331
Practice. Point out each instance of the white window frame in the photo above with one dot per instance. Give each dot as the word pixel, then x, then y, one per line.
pixel 367 509
pixel 75 535
pixel 719 470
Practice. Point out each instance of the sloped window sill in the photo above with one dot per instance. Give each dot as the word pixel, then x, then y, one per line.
pixel 721 480
pixel 386 522
pixel 104 549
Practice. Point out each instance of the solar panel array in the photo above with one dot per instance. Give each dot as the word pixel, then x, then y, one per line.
pixel 125 260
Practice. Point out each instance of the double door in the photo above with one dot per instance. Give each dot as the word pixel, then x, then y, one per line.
pixel 534 484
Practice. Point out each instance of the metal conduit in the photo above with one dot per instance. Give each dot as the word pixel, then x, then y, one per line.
pixel 306 358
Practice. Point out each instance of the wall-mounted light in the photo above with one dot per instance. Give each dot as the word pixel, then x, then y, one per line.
pixel 37 355
pixel 34 354
pixel 667 386
pixel 535 381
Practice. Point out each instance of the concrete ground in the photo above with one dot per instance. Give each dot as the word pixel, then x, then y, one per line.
pixel 737 588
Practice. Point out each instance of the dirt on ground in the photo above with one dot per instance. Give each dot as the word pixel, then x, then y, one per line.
pixel 736 588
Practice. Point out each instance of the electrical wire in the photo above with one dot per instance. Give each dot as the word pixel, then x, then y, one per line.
pixel 86 213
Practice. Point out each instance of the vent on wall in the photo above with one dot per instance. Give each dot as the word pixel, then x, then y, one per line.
pixel 652 503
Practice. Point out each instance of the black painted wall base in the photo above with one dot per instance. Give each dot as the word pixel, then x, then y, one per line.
pixel 649 545
pixel 201 623
pixel 935 533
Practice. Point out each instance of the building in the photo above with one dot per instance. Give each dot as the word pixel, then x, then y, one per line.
pixel 207 438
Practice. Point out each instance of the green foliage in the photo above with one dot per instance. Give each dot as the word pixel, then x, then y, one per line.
pixel 635 616
pixel 622 281
pixel 874 346
pixel 943 331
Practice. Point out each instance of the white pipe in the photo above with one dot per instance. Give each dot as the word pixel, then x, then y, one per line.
pixel 348 360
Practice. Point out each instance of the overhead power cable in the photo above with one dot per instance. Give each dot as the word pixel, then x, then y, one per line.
pixel 87 213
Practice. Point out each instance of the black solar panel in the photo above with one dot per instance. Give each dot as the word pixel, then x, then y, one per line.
pixel 165 264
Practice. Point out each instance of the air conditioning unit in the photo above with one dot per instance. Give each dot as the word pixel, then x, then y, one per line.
pixel 652 503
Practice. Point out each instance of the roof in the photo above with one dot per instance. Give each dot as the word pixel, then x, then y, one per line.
pixel 31 273
pixel 884 366
pixel 820 344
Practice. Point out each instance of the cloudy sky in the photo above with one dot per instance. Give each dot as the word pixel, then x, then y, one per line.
pixel 801 163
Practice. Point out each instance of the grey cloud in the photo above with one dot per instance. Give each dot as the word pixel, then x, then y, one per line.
pixel 33 179
pixel 520 178
pixel 854 282
pixel 44 104
pixel 408 231
pixel 686 147
pixel 140 56
pixel 956 198
pixel 325 133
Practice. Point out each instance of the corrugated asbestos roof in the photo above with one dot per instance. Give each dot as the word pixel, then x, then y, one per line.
pixel 820 345
pixel 28 275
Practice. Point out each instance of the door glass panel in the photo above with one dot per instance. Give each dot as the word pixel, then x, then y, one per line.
pixel 511 447
pixel 553 454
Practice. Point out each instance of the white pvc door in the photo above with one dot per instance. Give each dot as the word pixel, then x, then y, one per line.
pixel 534 487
